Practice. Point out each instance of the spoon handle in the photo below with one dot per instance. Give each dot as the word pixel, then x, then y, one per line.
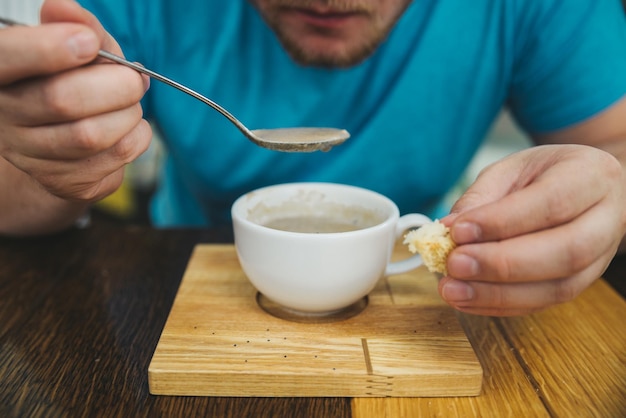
pixel 140 68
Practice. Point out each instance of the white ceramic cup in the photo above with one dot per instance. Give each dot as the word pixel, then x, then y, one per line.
pixel 319 272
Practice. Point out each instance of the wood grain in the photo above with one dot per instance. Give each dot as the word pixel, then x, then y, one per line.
pixel 506 392
pixel 576 354
pixel 218 341
pixel 81 314
pixel 568 361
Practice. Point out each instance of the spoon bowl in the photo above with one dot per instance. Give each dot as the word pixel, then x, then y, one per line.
pixel 281 139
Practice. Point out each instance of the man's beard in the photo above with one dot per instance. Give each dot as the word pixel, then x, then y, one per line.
pixel 338 49
pixel 342 58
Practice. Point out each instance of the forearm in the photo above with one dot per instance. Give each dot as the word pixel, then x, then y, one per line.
pixel 26 208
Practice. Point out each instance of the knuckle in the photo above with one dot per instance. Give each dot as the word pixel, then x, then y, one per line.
pixel 502 268
pixel 86 136
pixel 86 192
pixel 612 166
pixel 500 225
pixel 145 134
pixel 470 198
pixel 558 207
pixel 579 255
pixel 135 143
pixel 56 99
pixel 125 149
pixel 107 185
pixel 74 184
pixel 125 85
pixel 498 298
pixel 95 190
pixel 137 92
pixel 564 290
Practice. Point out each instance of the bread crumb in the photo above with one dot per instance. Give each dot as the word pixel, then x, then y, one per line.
pixel 433 242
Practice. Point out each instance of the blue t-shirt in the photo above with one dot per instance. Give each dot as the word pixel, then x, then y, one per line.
pixel 417 109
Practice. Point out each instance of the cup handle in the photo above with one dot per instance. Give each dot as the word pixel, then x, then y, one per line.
pixel 412 220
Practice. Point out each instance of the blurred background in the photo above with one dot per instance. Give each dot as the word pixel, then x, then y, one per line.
pixel 129 203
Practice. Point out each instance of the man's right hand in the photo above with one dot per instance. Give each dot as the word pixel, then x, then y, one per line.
pixel 68 120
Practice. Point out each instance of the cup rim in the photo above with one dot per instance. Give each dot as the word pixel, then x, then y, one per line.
pixel 238 216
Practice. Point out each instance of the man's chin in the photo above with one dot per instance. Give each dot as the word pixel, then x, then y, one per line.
pixel 327 54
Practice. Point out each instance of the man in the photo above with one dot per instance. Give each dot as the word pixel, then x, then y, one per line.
pixel 416 83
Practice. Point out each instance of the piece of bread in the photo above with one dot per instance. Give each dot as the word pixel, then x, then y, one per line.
pixel 433 242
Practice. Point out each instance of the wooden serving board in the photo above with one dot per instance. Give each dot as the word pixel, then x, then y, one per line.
pixel 217 341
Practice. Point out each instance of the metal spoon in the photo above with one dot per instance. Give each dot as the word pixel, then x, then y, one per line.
pixel 280 139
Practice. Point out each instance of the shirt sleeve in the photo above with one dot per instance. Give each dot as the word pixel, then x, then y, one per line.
pixel 570 62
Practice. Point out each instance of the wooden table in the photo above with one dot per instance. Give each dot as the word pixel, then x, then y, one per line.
pixel 81 313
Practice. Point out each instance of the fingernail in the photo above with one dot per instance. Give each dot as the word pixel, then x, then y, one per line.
pixel 146 83
pixel 448 219
pixel 83 44
pixel 465 232
pixel 462 265
pixel 457 291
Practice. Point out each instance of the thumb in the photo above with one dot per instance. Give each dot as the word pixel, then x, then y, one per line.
pixel 480 204
pixel 491 184
pixel 509 196
pixel 50 48
pixel 69 11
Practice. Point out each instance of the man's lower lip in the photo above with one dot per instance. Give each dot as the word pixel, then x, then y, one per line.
pixel 323 19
